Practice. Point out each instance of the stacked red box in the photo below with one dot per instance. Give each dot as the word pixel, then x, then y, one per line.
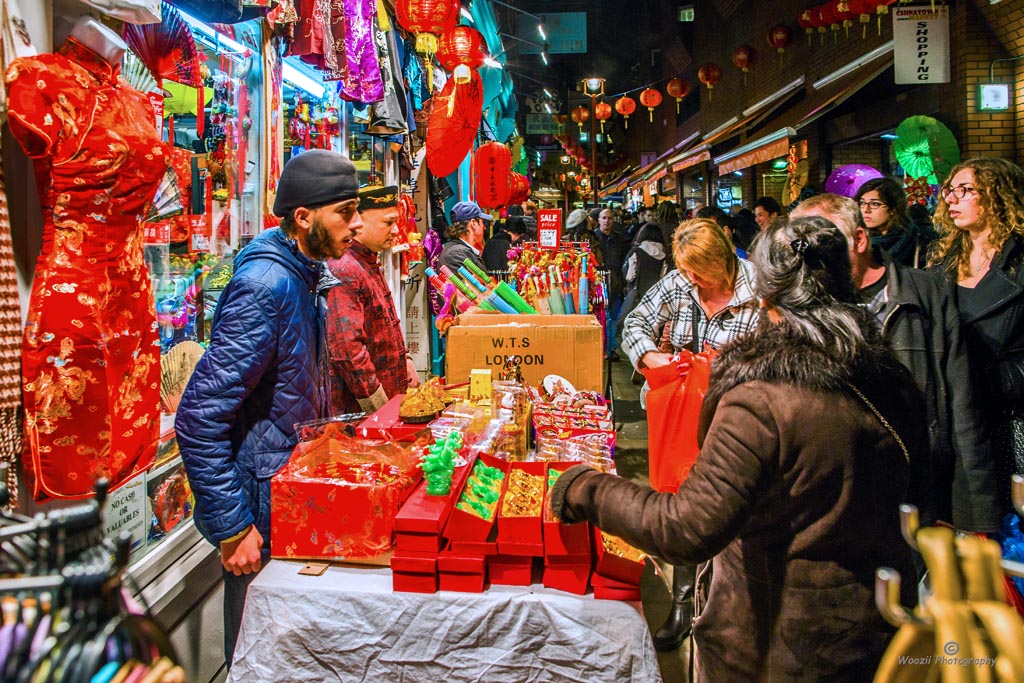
pixel 510 570
pixel 461 571
pixel 522 536
pixel 610 589
pixel 414 572
pixel 569 573
pixel 419 523
pixel 385 423
pixel 615 570
pixel 465 526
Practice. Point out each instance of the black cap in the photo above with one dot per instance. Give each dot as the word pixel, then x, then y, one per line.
pixel 313 179
pixel 377 197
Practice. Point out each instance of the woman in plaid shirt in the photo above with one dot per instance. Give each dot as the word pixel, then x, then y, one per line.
pixel 707 302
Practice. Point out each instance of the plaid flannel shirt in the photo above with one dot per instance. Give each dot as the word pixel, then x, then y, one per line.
pixel 669 306
pixel 364 334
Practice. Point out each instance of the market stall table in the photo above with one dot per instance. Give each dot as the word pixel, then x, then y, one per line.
pixel 348 625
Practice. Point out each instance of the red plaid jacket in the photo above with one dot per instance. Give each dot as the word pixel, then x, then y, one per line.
pixel 364 334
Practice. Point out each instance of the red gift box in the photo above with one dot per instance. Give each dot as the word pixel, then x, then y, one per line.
pixel 385 423
pixel 626 569
pixel 561 539
pixel 418 543
pixel 465 526
pixel 510 570
pixel 338 496
pixel 462 572
pixel 606 588
pixel 424 514
pixel 571 575
pixel 488 547
pixel 522 531
pixel 414 572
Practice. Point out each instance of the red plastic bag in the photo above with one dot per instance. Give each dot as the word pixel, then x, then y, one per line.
pixel 673 412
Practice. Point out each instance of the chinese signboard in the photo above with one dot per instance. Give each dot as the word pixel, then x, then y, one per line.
pixel 549 228
pixel 921 43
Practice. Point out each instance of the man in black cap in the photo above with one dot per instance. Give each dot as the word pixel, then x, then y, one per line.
pixel 369 361
pixel 466 236
pixel 263 371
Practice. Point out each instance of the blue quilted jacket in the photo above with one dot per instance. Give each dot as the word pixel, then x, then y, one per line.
pixel 261 375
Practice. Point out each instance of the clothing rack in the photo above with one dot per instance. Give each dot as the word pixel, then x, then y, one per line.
pixel 64 615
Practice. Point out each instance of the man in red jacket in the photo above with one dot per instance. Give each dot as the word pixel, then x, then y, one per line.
pixel 369 363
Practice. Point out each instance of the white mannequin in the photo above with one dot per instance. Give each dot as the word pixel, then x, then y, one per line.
pixel 100 39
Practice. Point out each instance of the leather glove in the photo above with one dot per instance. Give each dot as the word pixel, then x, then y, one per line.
pixel 374 401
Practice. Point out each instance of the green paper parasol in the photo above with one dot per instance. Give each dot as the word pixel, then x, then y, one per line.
pixel 925 147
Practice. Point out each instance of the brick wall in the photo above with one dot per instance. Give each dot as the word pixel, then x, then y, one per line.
pixel 1006 22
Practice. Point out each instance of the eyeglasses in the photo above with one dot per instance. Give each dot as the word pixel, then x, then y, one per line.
pixel 960 191
pixel 873 205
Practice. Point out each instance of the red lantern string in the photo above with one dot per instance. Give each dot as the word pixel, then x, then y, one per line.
pixel 603 112
pixel 743 57
pixel 625 106
pixel 650 98
pixel 709 74
pixel 678 88
pixel 492 169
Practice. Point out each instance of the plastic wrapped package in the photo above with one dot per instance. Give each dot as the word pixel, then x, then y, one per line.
pixel 591 449
pixel 338 495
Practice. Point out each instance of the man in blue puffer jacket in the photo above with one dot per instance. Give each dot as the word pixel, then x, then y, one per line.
pixel 266 368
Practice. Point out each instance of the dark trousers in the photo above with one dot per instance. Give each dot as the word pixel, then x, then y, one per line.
pixel 235 588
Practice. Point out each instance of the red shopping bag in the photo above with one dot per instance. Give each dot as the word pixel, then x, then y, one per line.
pixel 673 411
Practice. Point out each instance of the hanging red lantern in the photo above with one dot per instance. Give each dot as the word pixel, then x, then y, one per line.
pixel 806 23
pixel 743 57
pixel 625 106
pixel 650 98
pixel 602 112
pixel 709 74
pixel 492 171
pixel 678 88
pixel 863 10
pixel 427 19
pixel 823 19
pixel 779 37
pixel 519 189
pixel 580 115
pixel 843 14
pixel 459 50
pixel 881 7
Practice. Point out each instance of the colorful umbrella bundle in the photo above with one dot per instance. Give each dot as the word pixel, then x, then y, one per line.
pixel 557 282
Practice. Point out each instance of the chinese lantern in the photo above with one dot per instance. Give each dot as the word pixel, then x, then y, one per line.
pixel 863 10
pixel 650 98
pixel 881 7
pixel 625 106
pixel 580 115
pixel 843 14
pixel 806 23
pixel 427 19
pixel 520 189
pixel 743 57
pixel 459 50
pixel 678 88
pixel 779 37
pixel 492 171
pixel 709 74
pixel 603 112
pixel 823 19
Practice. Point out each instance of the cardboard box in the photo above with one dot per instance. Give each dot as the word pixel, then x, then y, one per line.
pixel 566 345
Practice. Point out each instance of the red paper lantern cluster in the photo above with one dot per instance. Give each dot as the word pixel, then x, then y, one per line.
pixel 625 106
pixel 427 19
pixel 492 172
pixel 743 57
pixel 650 98
pixel 460 50
pixel 710 74
pixel 678 88
pixel 840 13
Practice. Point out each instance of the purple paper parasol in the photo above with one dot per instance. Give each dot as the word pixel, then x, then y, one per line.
pixel 846 180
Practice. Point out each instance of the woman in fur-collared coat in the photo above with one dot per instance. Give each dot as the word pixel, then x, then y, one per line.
pixel 808 435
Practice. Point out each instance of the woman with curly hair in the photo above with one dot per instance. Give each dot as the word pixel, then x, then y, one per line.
pixel 980 252
pixel 883 203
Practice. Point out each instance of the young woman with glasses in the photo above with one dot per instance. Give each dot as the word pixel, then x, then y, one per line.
pixel 981 215
pixel 883 203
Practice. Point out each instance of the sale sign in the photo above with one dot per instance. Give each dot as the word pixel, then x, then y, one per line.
pixel 549 228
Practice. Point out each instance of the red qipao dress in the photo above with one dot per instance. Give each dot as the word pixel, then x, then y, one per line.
pixel 90 354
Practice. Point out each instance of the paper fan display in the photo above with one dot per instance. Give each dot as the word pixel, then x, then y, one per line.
pixel 167 49
pixel 137 75
pixel 176 368
pixel 167 202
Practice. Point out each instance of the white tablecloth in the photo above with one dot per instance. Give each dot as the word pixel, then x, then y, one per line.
pixel 348 625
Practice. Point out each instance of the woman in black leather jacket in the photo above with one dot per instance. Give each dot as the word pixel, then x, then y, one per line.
pixel 981 215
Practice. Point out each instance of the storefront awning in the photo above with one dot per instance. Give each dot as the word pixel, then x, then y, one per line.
pixel 818 101
pixel 690 158
pixel 763 149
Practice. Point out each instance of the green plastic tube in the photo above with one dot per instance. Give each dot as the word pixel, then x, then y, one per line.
pixel 514 300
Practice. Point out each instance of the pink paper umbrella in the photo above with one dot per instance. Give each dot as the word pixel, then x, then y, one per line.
pixel 846 180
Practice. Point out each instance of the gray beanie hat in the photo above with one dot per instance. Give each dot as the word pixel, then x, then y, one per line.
pixel 577 217
pixel 314 179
